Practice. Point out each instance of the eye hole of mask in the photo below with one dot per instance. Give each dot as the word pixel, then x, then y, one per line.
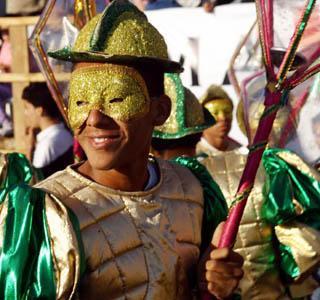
pixel 81 103
pixel 116 100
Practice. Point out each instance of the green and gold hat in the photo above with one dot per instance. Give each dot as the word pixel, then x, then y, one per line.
pixel 187 115
pixel 121 34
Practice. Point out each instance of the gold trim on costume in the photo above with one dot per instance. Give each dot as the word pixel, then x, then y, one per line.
pixel 64 247
pixel 297 162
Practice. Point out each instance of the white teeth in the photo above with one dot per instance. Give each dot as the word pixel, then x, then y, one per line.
pixel 100 140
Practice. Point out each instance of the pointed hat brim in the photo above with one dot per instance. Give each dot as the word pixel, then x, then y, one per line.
pixel 167 66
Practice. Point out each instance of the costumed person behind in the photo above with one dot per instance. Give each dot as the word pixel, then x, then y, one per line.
pixel 49 143
pixel 141 234
pixel 279 232
pixel 176 140
pixel 181 132
pixel 215 139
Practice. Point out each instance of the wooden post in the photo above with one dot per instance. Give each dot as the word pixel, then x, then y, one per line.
pixel 18 37
pixel 20 76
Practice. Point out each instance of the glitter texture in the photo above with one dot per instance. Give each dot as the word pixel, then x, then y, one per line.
pixel 194 111
pixel 117 91
pixel 135 36
pixel 220 107
pixel 187 115
pixel 120 34
pixel 83 39
pixel 130 35
pixel 171 90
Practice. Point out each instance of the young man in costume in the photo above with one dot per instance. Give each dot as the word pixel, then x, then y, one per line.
pixel 139 219
pixel 215 139
pixel 279 234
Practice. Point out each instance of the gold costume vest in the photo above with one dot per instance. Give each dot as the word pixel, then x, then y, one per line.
pixel 255 238
pixel 204 146
pixel 138 245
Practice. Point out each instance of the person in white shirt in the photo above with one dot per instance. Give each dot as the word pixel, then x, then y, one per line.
pixel 216 138
pixel 49 143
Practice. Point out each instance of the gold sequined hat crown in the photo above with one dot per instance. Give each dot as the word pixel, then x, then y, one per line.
pixel 121 34
pixel 187 115
pixel 214 92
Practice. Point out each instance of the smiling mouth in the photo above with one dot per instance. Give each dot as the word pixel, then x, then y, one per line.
pixel 104 142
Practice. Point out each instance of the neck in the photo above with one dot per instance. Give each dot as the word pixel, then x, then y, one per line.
pixel 46 122
pixel 220 143
pixel 180 151
pixel 131 177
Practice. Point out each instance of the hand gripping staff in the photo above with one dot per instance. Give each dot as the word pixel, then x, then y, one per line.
pixel 289 60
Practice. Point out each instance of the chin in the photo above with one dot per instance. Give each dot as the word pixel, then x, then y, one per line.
pixel 101 161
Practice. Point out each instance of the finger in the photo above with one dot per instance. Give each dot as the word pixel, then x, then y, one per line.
pixel 227 269
pixel 220 278
pixel 222 288
pixel 217 234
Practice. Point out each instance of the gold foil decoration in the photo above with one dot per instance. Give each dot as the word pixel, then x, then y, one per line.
pixel 84 10
pixel 117 91
pixel 255 111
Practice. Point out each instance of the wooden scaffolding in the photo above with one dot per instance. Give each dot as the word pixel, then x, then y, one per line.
pixel 20 75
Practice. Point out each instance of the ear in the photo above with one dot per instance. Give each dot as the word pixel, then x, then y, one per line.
pixel 39 111
pixel 160 108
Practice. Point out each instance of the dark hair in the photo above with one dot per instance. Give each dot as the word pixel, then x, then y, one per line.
pixel 38 95
pixel 166 144
pixel 154 79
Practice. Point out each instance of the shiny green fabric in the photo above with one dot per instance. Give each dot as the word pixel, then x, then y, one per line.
pixel 18 171
pixel 285 182
pixel 26 267
pixel 215 205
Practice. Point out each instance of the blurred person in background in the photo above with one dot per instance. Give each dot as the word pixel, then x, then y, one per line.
pixel 215 139
pixel 209 5
pixel 49 143
pixel 24 7
pixel 5 88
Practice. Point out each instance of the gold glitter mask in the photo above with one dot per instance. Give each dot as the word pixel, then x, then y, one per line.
pixel 117 91
pixel 220 109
